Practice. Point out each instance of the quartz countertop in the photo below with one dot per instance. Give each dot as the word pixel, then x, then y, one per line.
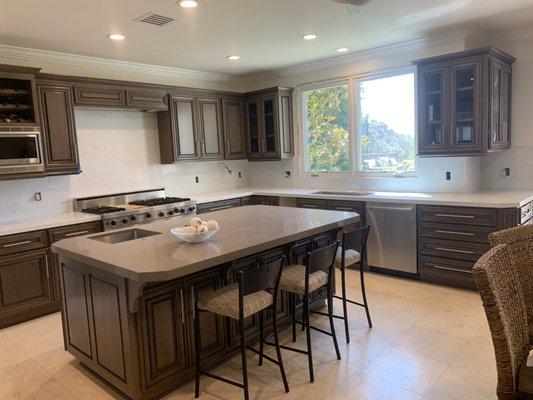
pixel 243 231
pixel 493 199
pixel 10 227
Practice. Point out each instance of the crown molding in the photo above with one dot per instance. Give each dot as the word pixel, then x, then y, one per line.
pixel 435 39
pixel 76 60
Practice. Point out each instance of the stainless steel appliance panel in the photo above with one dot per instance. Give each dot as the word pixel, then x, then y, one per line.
pixel 392 240
pixel 20 151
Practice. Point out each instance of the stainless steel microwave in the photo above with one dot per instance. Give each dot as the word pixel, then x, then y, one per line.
pixel 20 151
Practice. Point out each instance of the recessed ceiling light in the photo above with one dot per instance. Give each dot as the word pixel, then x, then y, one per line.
pixel 233 57
pixel 310 36
pixel 342 50
pixel 116 36
pixel 188 3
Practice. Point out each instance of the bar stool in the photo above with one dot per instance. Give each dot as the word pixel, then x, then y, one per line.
pixel 301 280
pixel 352 252
pixel 247 297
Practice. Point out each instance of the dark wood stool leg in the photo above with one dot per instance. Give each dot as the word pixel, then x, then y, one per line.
pixel 308 334
pixel 197 343
pixel 243 358
pixel 344 303
pixel 363 291
pixel 261 336
pixel 331 323
pixel 278 350
pixel 293 300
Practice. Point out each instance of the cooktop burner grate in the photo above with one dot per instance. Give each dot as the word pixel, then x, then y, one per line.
pixel 102 210
pixel 159 201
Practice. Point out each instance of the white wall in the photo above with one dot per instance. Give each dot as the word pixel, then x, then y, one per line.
pixel 431 172
pixel 119 151
pixel 520 156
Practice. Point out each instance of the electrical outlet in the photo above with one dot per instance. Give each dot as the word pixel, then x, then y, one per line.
pixel 287 174
pixel 506 172
pixel 448 176
pixel 38 196
pixel 240 174
pixel 196 179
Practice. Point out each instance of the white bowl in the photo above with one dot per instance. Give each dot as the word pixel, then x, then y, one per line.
pixel 192 237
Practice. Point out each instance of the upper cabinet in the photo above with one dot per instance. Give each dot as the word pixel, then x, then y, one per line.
pixel 60 148
pixel 191 129
pixel 464 103
pixel 110 95
pixel 269 124
pixel 234 131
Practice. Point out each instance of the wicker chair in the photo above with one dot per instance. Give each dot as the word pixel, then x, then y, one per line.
pixel 524 262
pixel 503 300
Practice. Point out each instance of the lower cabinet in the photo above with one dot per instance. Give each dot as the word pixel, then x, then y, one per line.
pixel 25 286
pixel 218 205
pixel 337 205
pixel 265 200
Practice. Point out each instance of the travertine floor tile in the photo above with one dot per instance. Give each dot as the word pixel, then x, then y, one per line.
pixel 22 380
pixel 451 323
pixel 458 384
pixel 478 357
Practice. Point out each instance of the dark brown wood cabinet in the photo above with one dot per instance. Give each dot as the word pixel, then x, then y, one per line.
pixel 234 132
pixel 337 205
pixel 99 95
pixel 191 129
pixel 218 205
pixel 265 200
pixel 269 124
pixel 464 103
pixel 146 99
pixel 60 146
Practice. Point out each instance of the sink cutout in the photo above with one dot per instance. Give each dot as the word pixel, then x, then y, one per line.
pixel 343 193
pixel 124 236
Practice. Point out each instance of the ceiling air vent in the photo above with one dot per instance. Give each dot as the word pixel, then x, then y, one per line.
pixel 154 19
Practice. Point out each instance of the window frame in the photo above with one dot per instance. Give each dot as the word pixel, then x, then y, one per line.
pixel 352 83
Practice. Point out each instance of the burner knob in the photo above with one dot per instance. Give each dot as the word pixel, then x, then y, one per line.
pixel 124 220
pixel 133 218
pixel 161 214
pixel 148 215
pixel 191 209
pixel 182 210
pixel 113 223
pixel 176 210
pixel 171 212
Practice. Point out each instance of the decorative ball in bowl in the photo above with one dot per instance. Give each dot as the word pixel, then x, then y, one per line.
pixel 197 231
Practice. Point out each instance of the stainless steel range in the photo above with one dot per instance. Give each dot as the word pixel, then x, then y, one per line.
pixel 125 209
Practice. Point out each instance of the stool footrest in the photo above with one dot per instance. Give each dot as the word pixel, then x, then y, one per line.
pixel 326 314
pixel 289 348
pixel 350 301
pixel 264 355
pixel 219 378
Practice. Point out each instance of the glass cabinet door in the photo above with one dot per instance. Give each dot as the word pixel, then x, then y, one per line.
pixel 269 127
pixel 495 87
pixel 432 116
pixel 253 129
pixel 465 90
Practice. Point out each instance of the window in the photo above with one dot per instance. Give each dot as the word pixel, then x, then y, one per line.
pixel 386 124
pixel 326 129
pixel 378 137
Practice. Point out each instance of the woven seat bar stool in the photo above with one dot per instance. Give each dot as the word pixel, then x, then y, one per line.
pixel 352 252
pixel 251 295
pixel 302 280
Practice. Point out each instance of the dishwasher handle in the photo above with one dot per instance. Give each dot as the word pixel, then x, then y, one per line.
pixel 399 209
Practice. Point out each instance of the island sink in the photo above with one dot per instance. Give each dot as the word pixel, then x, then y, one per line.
pixel 124 236
pixel 343 193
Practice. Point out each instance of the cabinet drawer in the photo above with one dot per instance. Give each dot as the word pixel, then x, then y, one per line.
pixel 23 242
pixel 218 205
pixel 265 200
pixel 312 203
pixel 65 232
pixel 146 99
pixel 351 206
pixel 452 249
pixel 446 271
pixel 459 215
pixel 99 96
pixel 464 233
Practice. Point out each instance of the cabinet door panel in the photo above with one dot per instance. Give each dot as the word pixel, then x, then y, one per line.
pixel 185 128
pixel 432 87
pixel 254 136
pixel 59 130
pixel 25 280
pixel 465 117
pixel 505 106
pixel 146 99
pixel 210 128
pixel 100 95
pixel 270 129
pixel 233 129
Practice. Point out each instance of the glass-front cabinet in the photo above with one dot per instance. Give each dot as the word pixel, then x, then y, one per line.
pixel 464 103
pixel 269 124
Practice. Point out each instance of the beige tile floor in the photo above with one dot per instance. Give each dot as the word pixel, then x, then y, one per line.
pixel 428 342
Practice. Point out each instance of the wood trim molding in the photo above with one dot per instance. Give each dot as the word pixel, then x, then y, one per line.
pixel 36 55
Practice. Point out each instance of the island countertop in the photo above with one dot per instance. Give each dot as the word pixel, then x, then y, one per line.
pixel 243 231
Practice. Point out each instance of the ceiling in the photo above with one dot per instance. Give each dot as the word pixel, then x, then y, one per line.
pixel 265 33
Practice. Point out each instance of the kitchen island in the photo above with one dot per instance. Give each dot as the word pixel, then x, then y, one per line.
pixel 128 295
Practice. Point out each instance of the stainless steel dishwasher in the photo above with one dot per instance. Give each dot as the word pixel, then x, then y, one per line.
pixel 392 240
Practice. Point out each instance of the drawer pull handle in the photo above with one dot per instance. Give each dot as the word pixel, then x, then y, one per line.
pixel 309 206
pixel 451 269
pixel 455 216
pixel 17 244
pixel 193 303
pixel 343 208
pixel 220 207
pixel 182 308
pixel 454 250
pixel 47 267
pixel 455 233
pixel 76 233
